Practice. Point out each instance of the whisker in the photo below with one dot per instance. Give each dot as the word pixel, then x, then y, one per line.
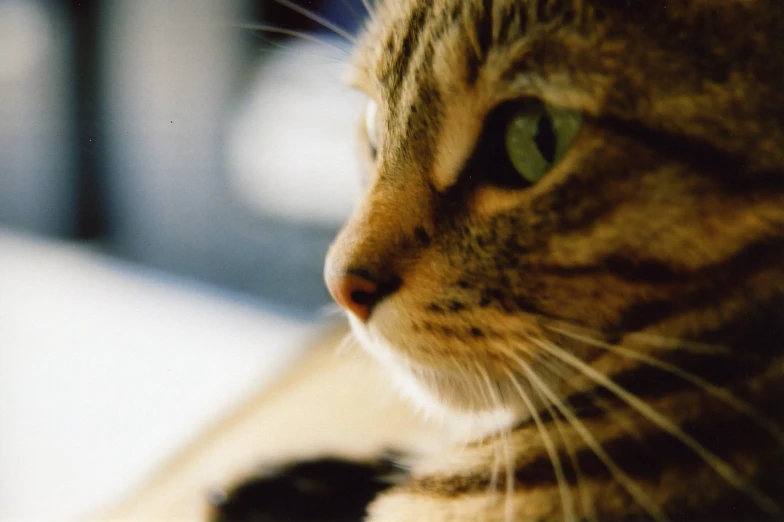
pixel 585 497
pixel 718 392
pixel 622 420
pixel 319 20
pixel 566 498
pixel 371 13
pixel 289 32
pixel 504 435
pixel 509 509
pixel 493 487
pixel 669 343
pixel 345 342
pixel 721 467
pixel 354 13
pixel 329 310
pixel 621 476
pixel 274 47
pixel 466 377
pixel 651 340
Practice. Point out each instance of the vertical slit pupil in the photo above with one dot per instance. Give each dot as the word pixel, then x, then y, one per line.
pixel 545 138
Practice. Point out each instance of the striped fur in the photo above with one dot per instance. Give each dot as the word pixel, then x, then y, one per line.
pixel 628 310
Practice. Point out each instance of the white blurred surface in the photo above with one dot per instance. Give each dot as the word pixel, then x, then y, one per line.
pixel 105 371
pixel 292 149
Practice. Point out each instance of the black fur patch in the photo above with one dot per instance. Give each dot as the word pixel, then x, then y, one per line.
pixel 323 490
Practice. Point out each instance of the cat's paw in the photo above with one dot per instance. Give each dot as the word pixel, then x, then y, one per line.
pixel 323 490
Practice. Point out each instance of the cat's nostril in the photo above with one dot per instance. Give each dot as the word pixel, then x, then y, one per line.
pixel 354 293
pixel 357 293
pixel 363 298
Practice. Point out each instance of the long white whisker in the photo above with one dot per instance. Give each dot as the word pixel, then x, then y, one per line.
pixel 319 20
pixel 353 11
pixel 329 310
pixel 667 343
pixel 651 340
pixel 345 342
pixel 289 32
pixel 720 393
pixel 621 476
pixel 560 373
pixel 369 9
pixel 623 420
pixel 509 506
pixel 555 459
pixel 493 487
pixel 585 496
pixel 721 467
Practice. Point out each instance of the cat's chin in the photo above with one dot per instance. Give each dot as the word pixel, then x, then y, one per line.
pixel 437 395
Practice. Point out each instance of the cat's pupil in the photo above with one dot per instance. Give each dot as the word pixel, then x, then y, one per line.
pixel 545 138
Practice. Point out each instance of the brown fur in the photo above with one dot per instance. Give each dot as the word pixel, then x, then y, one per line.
pixel 665 218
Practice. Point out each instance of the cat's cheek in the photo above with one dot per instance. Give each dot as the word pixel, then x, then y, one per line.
pixel 397 369
pixel 378 349
pixel 432 394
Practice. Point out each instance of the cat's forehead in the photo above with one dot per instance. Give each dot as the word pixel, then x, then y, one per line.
pixel 703 69
pixel 425 64
pixel 409 39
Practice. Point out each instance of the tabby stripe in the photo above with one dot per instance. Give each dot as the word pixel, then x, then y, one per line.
pixel 699 154
pixel 648 382
pixel 449 16
pixel 394 77
pixel 641 315
pixel 510 21
pixel 657 452
pixel 644 460
pixel 670 31
pixel 702 156
pixel 759 325
pixel 423 122
pixel 762 253
pixel 711 282
pixel 483 28
pixel 422 118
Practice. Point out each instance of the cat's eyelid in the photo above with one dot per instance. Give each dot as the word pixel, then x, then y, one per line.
pixel 358 80
pixel 358 87
pixel 371 122
pixel 514 102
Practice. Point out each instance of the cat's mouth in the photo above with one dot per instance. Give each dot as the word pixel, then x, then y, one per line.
pixel 473 403
pixel 493 381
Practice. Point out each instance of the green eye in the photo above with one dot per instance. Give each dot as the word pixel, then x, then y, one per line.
pixel 538 136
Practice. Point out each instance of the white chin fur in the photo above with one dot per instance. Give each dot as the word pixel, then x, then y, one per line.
pixel 464 426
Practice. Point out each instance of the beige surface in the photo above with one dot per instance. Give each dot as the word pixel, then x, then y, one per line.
pixel 334 400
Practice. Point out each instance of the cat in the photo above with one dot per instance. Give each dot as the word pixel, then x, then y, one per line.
pixel 573 230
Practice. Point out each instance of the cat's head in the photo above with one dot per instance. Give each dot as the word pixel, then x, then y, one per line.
pixel 535 167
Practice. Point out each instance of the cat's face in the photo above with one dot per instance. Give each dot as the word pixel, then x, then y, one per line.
pixel 661 192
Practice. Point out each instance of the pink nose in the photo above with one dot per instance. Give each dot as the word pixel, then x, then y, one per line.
pixel 354 293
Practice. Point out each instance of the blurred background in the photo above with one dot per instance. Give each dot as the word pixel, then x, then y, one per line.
pixel 170 179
